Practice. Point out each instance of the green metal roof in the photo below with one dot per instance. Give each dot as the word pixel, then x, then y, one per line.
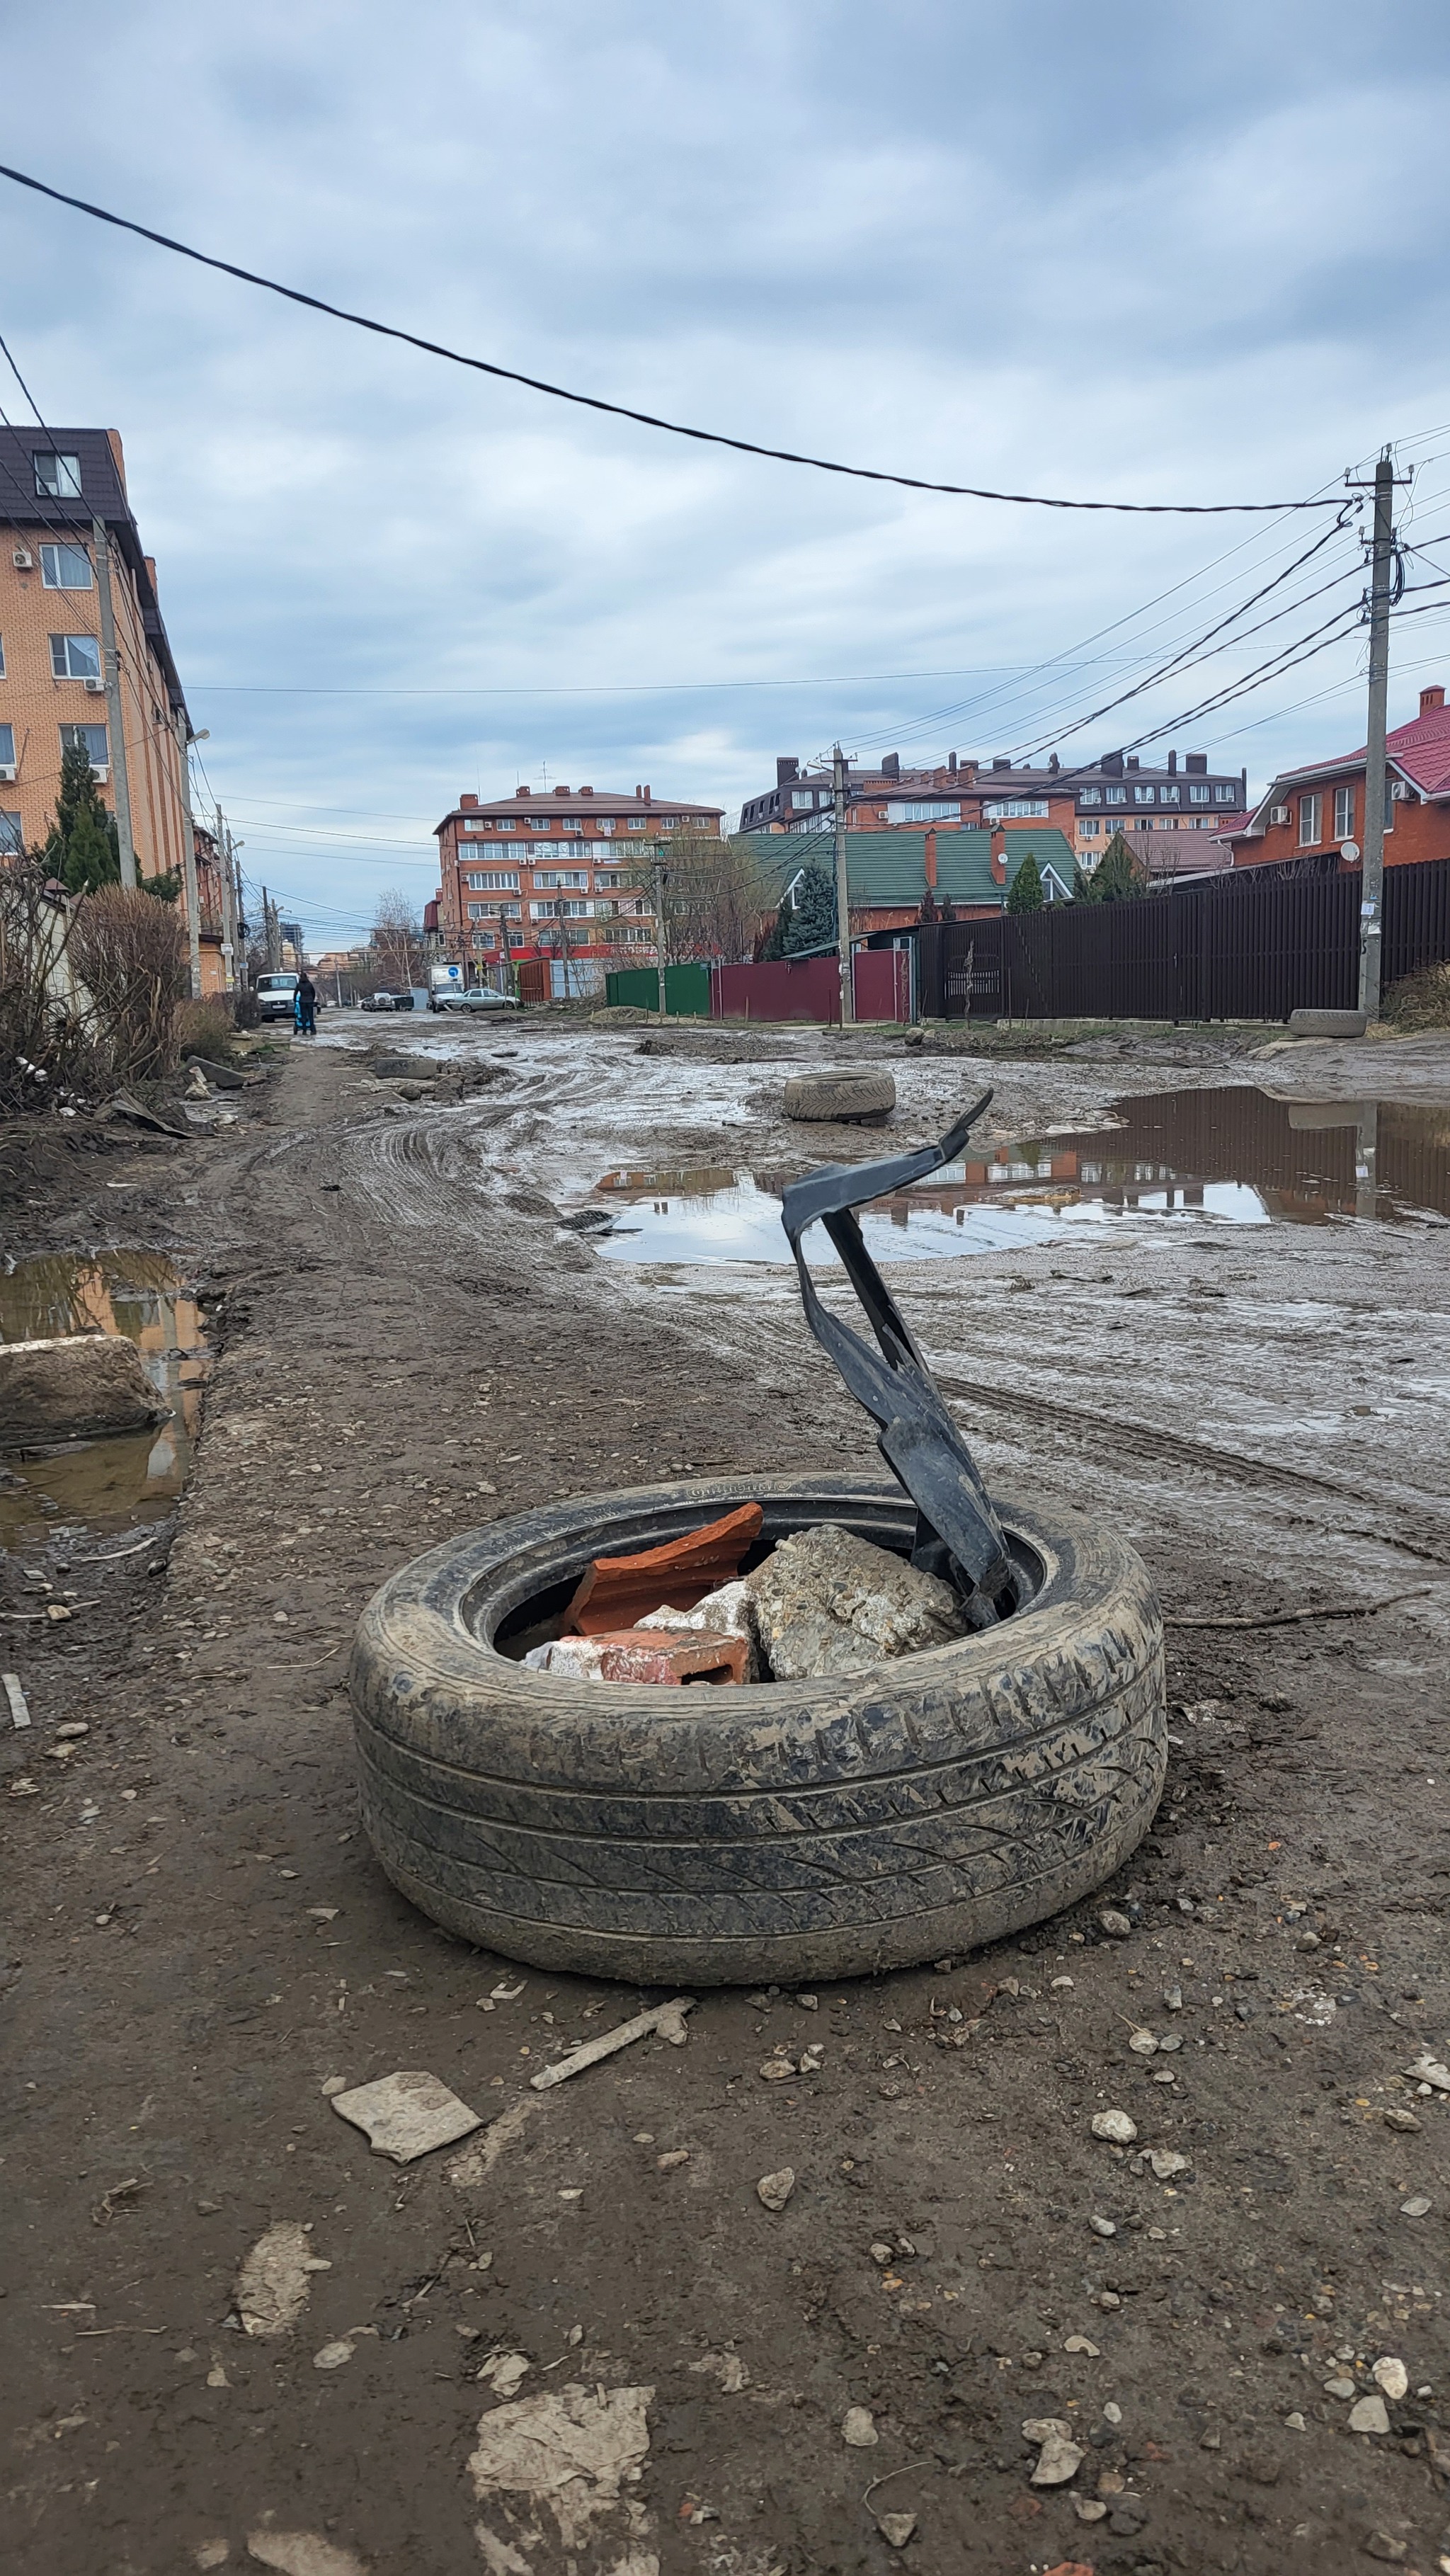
pixel 890 867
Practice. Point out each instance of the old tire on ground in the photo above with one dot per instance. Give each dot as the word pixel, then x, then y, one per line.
pixel 1326 1024
pixel 788 1830
pixel 868 1094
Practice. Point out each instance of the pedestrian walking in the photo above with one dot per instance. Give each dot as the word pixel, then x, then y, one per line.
pixel 306 1009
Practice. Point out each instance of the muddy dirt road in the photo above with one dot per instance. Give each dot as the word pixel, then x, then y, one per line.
pixel 407 1341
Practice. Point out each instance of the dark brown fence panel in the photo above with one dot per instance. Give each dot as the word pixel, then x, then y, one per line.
pixel 1416 918
pixel 1272 944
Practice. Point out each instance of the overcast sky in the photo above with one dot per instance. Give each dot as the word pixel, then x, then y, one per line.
pixel 1125 252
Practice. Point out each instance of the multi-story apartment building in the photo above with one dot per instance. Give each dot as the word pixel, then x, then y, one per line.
pixel 566 867
pixel 84 655
pixel 1086 804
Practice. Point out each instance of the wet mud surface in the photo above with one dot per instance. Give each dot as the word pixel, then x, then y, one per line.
pixel 407 1341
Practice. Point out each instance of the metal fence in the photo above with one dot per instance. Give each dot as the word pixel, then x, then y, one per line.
pixel 1255 944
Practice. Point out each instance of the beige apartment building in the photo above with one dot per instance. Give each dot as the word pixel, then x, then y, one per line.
pixel 72 567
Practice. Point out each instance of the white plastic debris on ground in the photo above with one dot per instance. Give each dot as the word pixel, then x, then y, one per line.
pixel 407 2115
pixel 828 1602
pixel 552 2475
pixel 274 2279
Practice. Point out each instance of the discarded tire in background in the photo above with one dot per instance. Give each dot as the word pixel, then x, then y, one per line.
pixel 843 1095
pixel 1326 1024
pixel 786 1831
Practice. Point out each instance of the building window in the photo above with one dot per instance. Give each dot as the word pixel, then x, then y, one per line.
pixel 1090 796
pixel 58 477
pixel 604 822
pixel 577 911
pixel 12 845
pixel 929 810
pixel 1089 825
pixel 541 822
pixel 75 657
pixel 506 823
pixel 1009 808
pixel 65 568
pixel 1344 813
pixel 1197 795
pixel 1171 795
pixel 1309 807
pixel 494 881
pixel 635 823
pixel 91 739
pixel 1115 796
pixel 803 800
pixel 1142 795
pixel 1226 793
pixel 7 746
pixel 478 912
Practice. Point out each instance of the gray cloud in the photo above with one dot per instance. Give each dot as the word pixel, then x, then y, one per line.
pixel 1130 251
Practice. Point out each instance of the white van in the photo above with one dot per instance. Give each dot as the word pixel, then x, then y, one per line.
pixel 277 997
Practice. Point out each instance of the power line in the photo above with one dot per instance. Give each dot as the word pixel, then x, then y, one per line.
pixel 1187 654
pixel 622 411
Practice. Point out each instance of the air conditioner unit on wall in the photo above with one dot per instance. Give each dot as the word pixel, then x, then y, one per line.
pixel 95 688
pixel 1278 813
pixel 7 772
pixel 23 559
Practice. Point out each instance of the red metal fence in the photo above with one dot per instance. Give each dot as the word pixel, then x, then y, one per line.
pixel 801 988
pixel 1253 945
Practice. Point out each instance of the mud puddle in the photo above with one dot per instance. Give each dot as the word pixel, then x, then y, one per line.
pixel 128 1478
pixel 1215 1158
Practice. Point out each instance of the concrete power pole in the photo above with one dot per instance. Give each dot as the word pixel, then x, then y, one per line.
pixel 111 666
pixel 843 890
pixel 1372 883
pixel 659 886
pixel 188 857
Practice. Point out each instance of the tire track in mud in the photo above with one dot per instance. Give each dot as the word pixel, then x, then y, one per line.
pixel 1168 1448
pixel 1393 1521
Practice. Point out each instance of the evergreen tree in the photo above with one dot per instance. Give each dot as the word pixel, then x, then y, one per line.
pixel 166 886
pixel 1082 884
pixel 82 847
pixel 811 923
pixel 1025 892
pixel 1118 876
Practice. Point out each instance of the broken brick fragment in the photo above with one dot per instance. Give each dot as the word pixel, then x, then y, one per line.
pixel 615 1591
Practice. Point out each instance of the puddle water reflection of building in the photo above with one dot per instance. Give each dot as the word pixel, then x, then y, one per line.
pixel 1230 1157
pixel 133 1477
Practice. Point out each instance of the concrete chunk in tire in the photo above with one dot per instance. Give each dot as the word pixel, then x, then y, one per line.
pixel 784 1831
pixel 841 1096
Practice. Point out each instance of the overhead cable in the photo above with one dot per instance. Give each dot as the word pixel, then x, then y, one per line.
pixel 622 411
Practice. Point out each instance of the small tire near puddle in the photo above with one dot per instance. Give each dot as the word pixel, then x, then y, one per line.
pixel 843 1097
pixel 784 1831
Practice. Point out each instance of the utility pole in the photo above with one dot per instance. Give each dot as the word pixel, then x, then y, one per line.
pixel 1372 882
pixel 188 856
pixel 271 933
pixel 659 886
pixel 116 733
pixel 843 890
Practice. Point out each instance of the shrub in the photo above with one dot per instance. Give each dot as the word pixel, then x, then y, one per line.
pixel 46 1055
pixel 130 954
pixel 1420 1001
pixel 205 1028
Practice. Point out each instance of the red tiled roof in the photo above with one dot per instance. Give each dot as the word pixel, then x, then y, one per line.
pixel 1420 748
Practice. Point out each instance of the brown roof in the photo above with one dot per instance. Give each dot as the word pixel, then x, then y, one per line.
pixel 577 800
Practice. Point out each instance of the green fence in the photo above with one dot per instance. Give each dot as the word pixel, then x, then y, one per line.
pixel 637 988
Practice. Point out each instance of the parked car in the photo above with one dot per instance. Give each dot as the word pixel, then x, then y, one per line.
pixel 481 997
pixel 276 997
pixel 383 1000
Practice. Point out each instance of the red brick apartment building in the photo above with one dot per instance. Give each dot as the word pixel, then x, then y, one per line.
pixel 1311 812
pixel 71 543
pixel 1086 803
pixel 553 868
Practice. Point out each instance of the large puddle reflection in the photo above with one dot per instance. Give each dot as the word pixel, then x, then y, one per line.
pixel 1213 1158
pixel 130 1477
